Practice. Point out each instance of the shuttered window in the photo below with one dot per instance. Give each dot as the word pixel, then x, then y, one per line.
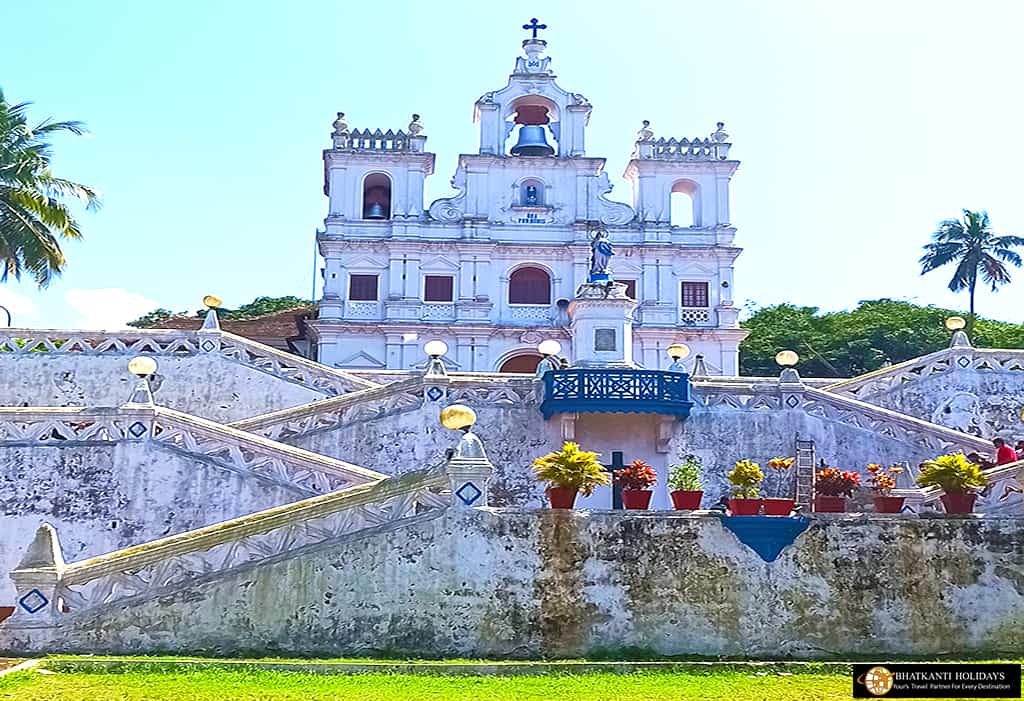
pixel 695 294
pixel 438 288
pixel 362 288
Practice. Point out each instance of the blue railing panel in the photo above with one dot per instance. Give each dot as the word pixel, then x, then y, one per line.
pixel 600 390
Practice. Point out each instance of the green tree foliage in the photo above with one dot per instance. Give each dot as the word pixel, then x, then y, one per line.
pixel 975 250
pixel 261 306
pixel 849 343
pixel 33 214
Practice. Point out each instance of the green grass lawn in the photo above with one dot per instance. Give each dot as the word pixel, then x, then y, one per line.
pixel 252 685
pixel 156 683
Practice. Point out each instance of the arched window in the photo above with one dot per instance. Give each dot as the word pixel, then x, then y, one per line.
pixel 685 204
pixel 527 362
pixel 529 286
pixel 377 196
pixel 531 193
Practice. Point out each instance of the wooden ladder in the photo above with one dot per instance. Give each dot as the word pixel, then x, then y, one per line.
pixel 804 474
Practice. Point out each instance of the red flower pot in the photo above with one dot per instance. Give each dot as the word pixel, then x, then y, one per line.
pixel 686 500
pixel 636 498
pixel 962 503
pixel 779 507
pixel 561 497
pixel 744 507
pixel 829 505
pixel 888 505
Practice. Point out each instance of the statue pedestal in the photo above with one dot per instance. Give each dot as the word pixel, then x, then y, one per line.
pixel 602 325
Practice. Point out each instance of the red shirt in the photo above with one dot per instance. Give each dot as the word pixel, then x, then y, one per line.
pixel 1005 454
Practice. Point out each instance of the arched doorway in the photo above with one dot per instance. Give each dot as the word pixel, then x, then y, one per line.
pixel 527 362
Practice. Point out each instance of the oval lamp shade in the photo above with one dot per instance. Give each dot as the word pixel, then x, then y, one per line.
pixel 678 351
pixel 435 349
pixel 787 358
pixel 142 366
pixel 549 347
pixel 211 302
pixel 457 416
pixel 955 323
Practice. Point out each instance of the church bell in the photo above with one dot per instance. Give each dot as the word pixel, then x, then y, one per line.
pixel 376 211
pixel 532 142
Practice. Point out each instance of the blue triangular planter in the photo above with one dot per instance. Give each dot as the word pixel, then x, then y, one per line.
pixel 766 535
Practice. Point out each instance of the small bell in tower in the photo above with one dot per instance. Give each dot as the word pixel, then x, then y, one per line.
pixel 376 211
pixel 532 142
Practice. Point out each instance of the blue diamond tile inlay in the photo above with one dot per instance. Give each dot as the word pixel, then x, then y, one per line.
pixel 468 493
pixel 207 346
pixel 963 362
pixel 792 401
pixel 435 393
pixel 33 601
pixel 137 429
pixel 766 535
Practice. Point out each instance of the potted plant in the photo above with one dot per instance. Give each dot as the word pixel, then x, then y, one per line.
pixel 779 506
pixel 882 483
pixel 636 482
pixel 958 477
pixel 831 487
pixel 569 472
pixel 684 481
pixel 746 480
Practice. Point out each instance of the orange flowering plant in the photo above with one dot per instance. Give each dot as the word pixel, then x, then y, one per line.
pixel 833 482
pixel 882 482
pixel 639 475
pixel 778 467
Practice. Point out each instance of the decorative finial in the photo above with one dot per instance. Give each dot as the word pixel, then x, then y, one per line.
pixel 340 125
pixel 415 127
pixel 700 369
pixel 534 26
pixel 645 133
pixel 719 135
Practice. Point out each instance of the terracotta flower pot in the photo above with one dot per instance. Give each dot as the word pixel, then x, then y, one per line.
pixel 744 507
pixel 685 500
pixel 959 503
pixel 888 505
pixel 824 504
pixel 561 497
pixel 636 498
pixel 779 507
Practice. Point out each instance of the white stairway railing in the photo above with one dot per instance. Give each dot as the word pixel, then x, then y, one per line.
pixel 128 343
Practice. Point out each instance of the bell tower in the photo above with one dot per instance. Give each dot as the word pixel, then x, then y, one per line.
pixel 532 106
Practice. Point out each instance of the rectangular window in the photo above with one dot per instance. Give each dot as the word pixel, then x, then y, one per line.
pixel 438 288
pixel 630 288
pixel 362 288
pixel 695 294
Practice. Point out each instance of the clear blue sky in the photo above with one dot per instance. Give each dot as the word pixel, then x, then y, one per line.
pixel 859 126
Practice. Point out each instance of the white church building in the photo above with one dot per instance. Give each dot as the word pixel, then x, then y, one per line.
pixel 493 270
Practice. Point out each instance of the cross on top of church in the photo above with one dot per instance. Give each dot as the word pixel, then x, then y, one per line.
pixel 534 26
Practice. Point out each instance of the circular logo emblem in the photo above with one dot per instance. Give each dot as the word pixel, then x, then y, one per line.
pixel 877 680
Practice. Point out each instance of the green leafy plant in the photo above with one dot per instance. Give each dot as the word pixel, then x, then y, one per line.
pixel 953 474
pixel 639 475
pixel 571 468
pixel 746 479
pixel 685 476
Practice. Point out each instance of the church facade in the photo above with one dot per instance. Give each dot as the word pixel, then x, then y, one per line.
pixel 492 270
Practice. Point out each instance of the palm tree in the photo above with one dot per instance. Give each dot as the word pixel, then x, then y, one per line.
pixel 32 213
pixel 975 249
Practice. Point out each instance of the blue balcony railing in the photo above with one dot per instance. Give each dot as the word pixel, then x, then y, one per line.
pixel 600 390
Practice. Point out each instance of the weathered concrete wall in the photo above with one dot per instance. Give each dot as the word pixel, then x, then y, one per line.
pixel 564 584
pixel 723 436
pixel 411 439
pixel 982 403
pixel 204 385
pixel 103 497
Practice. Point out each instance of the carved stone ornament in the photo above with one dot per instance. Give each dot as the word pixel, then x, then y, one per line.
pixel 415 126
pixel 340 125
pixel 451 209
pixel 532 337
pixel 645 133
